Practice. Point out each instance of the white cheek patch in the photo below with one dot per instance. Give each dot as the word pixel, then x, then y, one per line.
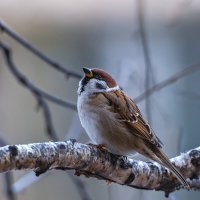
pixel 95 86
pixel 91 86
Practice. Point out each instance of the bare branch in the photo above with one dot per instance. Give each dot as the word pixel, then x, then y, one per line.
pixel 9 190
pixel 195 96
pixel 147 60
pixel 99 163
pixel 139 98
pixel 26 181
pixel 81 188
pixel 28 84
pixel 36 91
pixel 47 116
pixel 186 71
pixel 5 28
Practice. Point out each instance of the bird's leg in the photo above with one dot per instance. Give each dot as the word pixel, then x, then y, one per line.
pixel 98 146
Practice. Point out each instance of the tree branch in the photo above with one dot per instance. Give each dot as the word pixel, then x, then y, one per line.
pixel 38 93
pixel 27 83
pixel 5 28
pixel 147 59
pixel 8 30
pixel 101 164
pixel 186 71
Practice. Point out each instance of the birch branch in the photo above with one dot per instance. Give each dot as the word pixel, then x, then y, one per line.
pixel 94 162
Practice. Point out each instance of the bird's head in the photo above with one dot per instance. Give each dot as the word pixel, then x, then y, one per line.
pixel 96 80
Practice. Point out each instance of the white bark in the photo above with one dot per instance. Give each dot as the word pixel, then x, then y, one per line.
pixel 99 163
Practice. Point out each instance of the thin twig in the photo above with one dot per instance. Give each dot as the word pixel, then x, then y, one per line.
pixel 194 96
pixel 47 116
pixel 8 179
pixel 5 28
pixel 27 83
pixel 82 190
pixel 9 190
pixel 36 92
pixel 25 181
pixel 186 71
pixel 147 60
pixel 139 98
pixel 9 59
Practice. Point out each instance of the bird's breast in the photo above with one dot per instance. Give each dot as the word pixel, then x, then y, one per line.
pixel 95 119
pixel 102 126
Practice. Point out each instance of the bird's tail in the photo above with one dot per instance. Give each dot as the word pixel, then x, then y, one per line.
pixel 167 163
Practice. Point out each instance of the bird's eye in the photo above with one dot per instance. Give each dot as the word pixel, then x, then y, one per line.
pixel 100 86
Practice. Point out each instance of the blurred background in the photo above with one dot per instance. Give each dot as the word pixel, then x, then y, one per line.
pixel 140 42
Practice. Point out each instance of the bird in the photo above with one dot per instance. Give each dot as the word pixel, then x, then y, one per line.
pixel 113 121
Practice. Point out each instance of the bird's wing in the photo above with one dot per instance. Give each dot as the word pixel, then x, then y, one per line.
pixel 130 115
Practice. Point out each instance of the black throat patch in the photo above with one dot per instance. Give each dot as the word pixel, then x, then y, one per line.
pixel 84 82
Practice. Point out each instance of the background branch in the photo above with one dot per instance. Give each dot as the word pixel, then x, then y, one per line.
pixel 101 164
pixel 148 92
pixel 37 92
pixel 27 83
pixel 5 28
pixel 147 60
pixel 186 71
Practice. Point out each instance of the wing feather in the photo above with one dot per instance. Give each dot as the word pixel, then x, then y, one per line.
pixel 130 115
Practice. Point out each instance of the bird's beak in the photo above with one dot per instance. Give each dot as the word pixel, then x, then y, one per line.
pixel 88 72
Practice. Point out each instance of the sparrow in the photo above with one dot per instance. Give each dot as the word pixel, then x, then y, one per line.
pixel 113 120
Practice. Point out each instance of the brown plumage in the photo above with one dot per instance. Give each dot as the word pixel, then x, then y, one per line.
pixel 132 118
pixel 104 76
pixel 112 119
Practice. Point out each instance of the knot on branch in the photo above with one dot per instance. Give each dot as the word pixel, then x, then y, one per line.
pixel 13 150
pixel 195 157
